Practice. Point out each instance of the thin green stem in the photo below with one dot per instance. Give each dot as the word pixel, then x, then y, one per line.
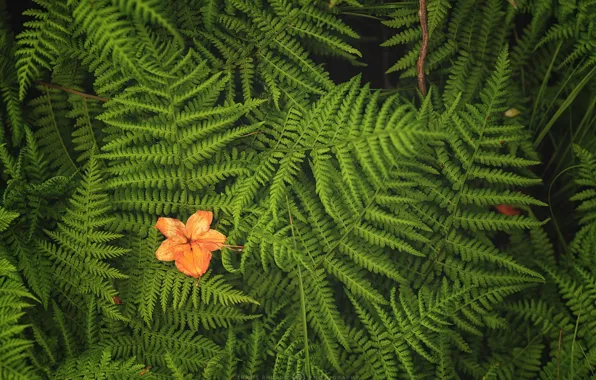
pixel 302 299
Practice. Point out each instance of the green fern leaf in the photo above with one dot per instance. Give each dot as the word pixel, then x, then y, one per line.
pixel 14 347
pixel 80 246
pixel 40 43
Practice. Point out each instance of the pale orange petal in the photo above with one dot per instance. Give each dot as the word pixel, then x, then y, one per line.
pixel 193 262
pixel 167 250
pixel 203 258
pixel 198 224
pixel 170 227
pixel 211 240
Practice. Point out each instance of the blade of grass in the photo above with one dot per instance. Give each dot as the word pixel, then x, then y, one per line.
pixel 543 85
pixel 577 137
pixel 564 106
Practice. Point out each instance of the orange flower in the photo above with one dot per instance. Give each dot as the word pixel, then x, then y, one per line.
pixel 507 210
pixel 191 245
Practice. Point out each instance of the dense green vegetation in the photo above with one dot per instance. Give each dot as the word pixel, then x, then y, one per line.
pixel 412 185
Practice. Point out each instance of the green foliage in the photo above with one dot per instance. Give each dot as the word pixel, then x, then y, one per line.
pixel 14 346
pixel 98 364
pixel 38 44
pixel 560 322
pixel 11 108
pixel 365 230
pixel 79 245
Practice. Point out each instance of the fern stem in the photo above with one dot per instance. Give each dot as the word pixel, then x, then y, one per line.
pixel 302 299
pixel 356 14
pixel 304 325
pixel 572 362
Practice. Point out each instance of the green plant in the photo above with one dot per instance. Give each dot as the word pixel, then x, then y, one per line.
pixel 371 241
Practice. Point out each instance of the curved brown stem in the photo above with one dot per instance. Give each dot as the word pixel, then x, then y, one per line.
pixel 423 48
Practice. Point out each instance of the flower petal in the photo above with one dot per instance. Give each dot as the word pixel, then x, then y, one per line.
pixel 170 227
pixel 198 224
pixel 193 262
pixel 168 249
pixel 211 240
pixel 203 258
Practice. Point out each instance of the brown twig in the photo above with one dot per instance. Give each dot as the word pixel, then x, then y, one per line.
pixel 145 371
pixel 424 48
pixel 252 133
pixel 84 95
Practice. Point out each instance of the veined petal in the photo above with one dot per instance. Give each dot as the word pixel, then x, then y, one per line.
pixel 168 249
pixel 198 224
pixel 202 256
pixel 193 262
pixel 170 227
pixel 211 240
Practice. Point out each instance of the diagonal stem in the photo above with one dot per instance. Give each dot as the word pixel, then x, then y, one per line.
pixel 79 93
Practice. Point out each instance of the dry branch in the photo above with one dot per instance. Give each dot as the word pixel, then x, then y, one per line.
pixel 84 95
pixel 423 48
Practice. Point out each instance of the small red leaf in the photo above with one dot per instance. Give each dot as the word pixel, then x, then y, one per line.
pixel 507 210
pixel 145 371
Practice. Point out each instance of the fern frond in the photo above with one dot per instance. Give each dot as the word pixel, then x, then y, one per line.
pixel 149 343
pixel 98 363
pixel 6 217
pixel 80 246
pixel 9 87
pixel 87 133
pixel 107 33
pixel 177 373
pixel 50 111
pixel 41 43
pixel 587 175
pixel 254 353
pixel 375 345
pixel 14 347
pixel 149 10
